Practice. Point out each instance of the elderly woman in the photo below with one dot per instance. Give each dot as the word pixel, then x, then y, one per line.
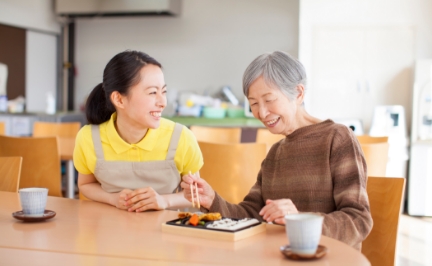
pixel 319 166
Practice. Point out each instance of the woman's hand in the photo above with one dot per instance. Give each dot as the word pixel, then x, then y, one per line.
pixel 144 199
pixel 205 191
pixel 275 210
pixel 119 199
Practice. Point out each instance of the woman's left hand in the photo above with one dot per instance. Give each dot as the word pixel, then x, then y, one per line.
pixel 275 210
pixel 144 199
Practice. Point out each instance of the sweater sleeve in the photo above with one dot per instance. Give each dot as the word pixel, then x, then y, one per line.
pixel 249 207
pixel 352 221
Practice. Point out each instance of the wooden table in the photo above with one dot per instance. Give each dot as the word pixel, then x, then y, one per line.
pixel 91 233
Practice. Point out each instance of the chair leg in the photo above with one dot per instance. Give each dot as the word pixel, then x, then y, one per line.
pixel 70 192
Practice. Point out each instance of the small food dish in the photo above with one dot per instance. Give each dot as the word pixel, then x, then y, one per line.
pixel 286 250
pixel 235 112
pixel 26 218
pixel 212 112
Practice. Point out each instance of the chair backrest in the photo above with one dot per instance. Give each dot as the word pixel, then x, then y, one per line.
pixel 217 134
pixel 375 150
pixel 385 197
pixel 10 169
pixel 2 128
pixel 66 133
pixel 47 129
pixel 268 138
pixel 41 161
pixel 366 139
pixel 231 169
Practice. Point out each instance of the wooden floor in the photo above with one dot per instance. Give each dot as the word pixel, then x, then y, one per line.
pixel 414 247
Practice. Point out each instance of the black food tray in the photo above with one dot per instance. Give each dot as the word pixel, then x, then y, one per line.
pixel 202 227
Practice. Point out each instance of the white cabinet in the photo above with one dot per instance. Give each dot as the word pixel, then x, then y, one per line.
pixel 355 68
pixel 21 124
pixel 18 125
pixel 420 181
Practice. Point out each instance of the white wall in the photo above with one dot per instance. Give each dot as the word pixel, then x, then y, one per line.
pixel 29 14
pixel 400 14
pixel 209 45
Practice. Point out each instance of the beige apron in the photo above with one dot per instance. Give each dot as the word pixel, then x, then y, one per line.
pixel 115 176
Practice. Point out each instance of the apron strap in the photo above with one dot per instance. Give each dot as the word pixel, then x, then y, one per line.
pixel 174 141
pixel 97 142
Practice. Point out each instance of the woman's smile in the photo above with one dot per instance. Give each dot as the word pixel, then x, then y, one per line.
pixel 156 114
pixel 273 122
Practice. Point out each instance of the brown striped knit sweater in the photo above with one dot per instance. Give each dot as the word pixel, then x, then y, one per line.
pixel 321 168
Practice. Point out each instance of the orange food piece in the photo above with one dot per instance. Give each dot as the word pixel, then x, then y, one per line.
pixel 194 220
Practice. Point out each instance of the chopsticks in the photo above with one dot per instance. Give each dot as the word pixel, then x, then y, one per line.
pixel 196 194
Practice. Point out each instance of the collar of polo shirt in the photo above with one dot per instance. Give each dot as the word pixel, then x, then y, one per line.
pixel 120 146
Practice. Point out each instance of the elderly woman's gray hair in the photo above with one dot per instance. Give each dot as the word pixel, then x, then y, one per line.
pixel 278 69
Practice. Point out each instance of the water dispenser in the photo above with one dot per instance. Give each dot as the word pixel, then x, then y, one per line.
pixel 420 174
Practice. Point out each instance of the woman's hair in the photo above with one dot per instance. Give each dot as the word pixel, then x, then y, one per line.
pixel 278 69
pixel 121 72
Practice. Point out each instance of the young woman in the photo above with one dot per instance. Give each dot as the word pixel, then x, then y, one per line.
pixel 319 166
pixel 128 156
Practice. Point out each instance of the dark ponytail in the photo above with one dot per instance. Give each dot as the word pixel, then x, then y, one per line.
pixel 98 108
pixel 121 72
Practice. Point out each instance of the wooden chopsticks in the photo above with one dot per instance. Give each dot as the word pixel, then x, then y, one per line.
pixel 196 194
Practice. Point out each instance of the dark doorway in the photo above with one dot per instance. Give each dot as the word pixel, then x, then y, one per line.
pixel 13 54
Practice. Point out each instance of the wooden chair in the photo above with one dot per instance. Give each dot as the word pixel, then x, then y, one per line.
pixel 41 161
pixel 231 169
pixel 268 138
pixel 217 134
pixel 65 133
pixel 366 139
pixel 2 128
pixel 385 197
pixel 64 130
pixel 10 169
pixel 375 150
pixel 82 197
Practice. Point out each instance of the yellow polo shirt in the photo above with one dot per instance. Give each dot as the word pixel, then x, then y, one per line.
pixel 153 147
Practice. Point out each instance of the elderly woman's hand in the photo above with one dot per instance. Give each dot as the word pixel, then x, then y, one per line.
pixel 205 191
pixel 275 210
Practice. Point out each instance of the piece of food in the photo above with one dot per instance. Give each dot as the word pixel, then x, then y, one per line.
pixel 211 216
pixel 194 220
pixel 184 220
pixel 233 224
pixel 182 215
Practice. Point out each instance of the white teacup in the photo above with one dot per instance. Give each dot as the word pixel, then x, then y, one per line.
pixel 304 232
pixel 33 201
